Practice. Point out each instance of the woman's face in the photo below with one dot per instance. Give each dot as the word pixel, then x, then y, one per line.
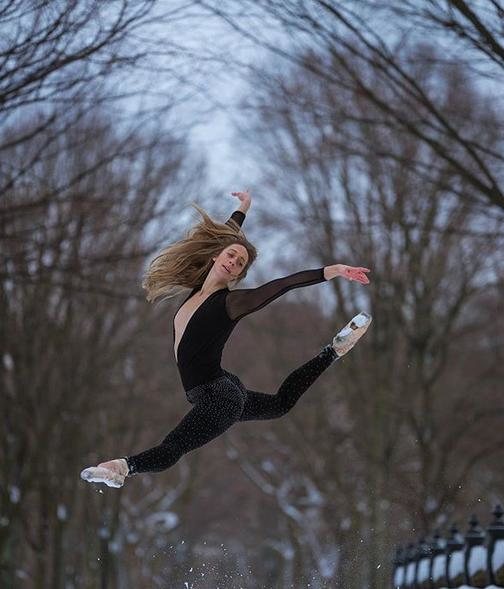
pixel 230 263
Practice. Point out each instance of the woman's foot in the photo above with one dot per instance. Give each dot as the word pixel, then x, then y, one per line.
pixel 112 473
pixel 346 339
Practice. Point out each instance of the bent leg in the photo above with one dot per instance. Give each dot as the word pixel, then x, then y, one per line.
pixel 263 406
pixel 209 418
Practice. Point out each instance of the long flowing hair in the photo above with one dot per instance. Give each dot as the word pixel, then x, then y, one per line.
pixel 186 263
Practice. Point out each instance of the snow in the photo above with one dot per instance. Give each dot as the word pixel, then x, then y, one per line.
pixel 314 496
pixel 431 504
pixel 456 565
pixel 346 523
pixel 328 563
pixel 477 560
pixel 410 573
pixel 8 361
pixel 14 494
pixel 62 513
pixel 498 555
pixel 166 519
pixel 399 577
pixel 362 507
pixel 438 566
pixel 423 570
pixel 20 574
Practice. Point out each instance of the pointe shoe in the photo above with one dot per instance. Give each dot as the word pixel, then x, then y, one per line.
pixel 346 339
pixel 112 473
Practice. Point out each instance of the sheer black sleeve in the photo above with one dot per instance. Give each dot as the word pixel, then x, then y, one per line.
pixel 241 302
pixel 236 220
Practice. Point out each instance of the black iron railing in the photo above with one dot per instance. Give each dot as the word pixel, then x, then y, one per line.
pixel 475 560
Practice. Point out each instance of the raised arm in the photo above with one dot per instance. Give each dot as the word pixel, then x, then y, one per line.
pixel 241 302
pixel 237 218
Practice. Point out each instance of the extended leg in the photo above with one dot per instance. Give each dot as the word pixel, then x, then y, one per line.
pixel 207 419
pixel 264 406
pixel 218 408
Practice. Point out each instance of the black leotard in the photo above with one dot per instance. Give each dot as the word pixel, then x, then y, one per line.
pixel 200 349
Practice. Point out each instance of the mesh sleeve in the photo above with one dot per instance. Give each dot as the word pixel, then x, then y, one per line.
pixel 236 220
pixel 241 302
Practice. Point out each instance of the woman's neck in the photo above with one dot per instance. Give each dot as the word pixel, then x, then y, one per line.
pixel 209 287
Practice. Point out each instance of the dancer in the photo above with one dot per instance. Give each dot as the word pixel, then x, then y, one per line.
pixel 210 259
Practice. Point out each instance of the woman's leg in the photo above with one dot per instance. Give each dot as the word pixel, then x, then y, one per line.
pixel 264 406
pixel 216 410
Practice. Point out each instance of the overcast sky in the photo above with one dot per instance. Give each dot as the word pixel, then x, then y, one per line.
pixel 210 61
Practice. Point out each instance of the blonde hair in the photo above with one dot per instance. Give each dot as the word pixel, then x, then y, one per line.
pixel 186 263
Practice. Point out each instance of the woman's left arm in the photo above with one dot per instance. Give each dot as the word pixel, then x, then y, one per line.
pixel 357 273
pixel 241 302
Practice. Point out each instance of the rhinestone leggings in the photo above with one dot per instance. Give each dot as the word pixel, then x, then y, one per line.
pixel 219 404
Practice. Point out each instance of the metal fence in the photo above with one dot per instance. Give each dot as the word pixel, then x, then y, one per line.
pixel 475 559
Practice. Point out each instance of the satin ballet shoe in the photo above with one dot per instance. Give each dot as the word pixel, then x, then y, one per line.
pixel 112 477
pixel 346 339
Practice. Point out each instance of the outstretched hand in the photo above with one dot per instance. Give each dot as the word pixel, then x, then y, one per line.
pixel 245 199
pixel 352 273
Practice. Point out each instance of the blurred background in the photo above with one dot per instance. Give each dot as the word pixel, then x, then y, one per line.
pixel 370 133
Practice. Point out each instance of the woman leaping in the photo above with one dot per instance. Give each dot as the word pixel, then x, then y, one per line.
pixel 212 258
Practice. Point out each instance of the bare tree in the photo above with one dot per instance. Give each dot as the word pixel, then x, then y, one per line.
pixel 433 259
pixel 477 24
pixel 354 50
pixel 71 359
pixel 60 63
pixel 53 55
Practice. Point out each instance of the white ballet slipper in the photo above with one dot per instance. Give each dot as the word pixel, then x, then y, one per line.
pixel 346 339
pixel 101 474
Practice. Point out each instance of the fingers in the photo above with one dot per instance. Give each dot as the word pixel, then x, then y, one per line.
pixel 358 274
pixel 362 279
pixel 356 268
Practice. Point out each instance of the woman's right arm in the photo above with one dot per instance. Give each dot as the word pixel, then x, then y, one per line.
pixel 236 220
pixel 239 215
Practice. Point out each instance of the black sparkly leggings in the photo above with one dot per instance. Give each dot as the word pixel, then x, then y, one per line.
pixel 222 402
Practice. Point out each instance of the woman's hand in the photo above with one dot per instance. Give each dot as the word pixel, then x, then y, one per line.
pixel 245 200
pixel 349 272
